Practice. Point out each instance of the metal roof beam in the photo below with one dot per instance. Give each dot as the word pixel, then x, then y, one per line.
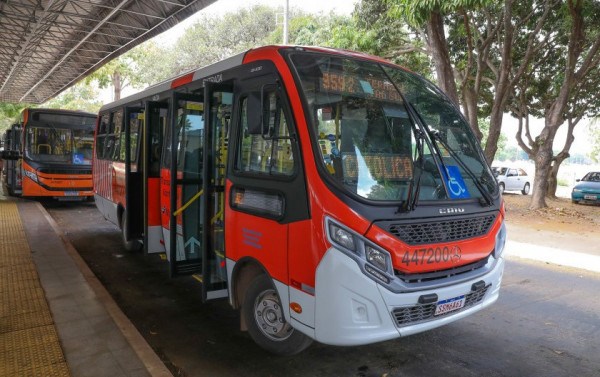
pixel 48 45
pixel 24 45
pixel 102 23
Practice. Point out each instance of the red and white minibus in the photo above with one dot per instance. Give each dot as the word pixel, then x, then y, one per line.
pixel 329 195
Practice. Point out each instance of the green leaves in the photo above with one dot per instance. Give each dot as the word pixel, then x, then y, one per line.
pixel 9 113
pixel 417 12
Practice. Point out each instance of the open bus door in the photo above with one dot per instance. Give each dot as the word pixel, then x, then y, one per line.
pixel 134 223
pixel 218 101
pixel 156 117
pixel 186 179
pixel 199 154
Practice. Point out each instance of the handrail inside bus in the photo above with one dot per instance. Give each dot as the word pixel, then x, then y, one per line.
pixel 47 147
pixel 189 202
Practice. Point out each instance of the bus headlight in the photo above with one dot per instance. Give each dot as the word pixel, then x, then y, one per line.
pixel 31 175
pixel 375 261
pixel 342 237
pixel 500 241
pixel 377 258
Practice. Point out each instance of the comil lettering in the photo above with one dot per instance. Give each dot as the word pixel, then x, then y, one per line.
pixel 450 211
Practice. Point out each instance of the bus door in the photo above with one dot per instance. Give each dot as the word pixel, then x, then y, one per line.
pixel 218 101
pixel 154 123
pixel 134 226
pixel 13 166
pixel 186 148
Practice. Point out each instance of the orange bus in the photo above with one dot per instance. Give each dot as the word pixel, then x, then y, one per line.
pixel 329 195
pixel 52 154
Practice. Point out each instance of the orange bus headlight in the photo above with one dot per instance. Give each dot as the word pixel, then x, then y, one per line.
pixel 31 175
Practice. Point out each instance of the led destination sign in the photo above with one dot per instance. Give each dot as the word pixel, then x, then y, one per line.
pixel 360 85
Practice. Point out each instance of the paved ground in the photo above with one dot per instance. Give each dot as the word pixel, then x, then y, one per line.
pixel 56 319
pixel 29 342
pixel 546 322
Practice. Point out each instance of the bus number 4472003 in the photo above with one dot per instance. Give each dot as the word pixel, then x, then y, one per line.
pixel 431 255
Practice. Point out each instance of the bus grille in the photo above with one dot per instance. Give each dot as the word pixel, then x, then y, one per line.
pixel 442 274
pixel 424 312
pixel 455 229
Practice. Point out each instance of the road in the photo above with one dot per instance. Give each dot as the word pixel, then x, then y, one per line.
pixel 546 322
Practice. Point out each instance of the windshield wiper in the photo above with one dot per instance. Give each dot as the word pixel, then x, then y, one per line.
pixel 415 187
pixel 435 136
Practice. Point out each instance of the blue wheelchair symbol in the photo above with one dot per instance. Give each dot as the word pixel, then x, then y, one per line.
pixel 456 184
pixel 78 159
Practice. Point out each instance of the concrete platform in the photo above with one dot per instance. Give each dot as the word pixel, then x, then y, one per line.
pixel 56 318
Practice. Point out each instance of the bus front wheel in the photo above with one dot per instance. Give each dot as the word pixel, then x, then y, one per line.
pixel 266 323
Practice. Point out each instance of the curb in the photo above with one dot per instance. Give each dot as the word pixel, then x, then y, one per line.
pixel 148 357
pixel 552 255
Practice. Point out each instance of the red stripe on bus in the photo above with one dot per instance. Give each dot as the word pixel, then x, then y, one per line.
pixel 182 80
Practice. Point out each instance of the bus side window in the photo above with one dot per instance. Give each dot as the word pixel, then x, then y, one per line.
pixel 159 138
pixel 101 136
pixel 116 136
pixel 134 129
pixel 266 154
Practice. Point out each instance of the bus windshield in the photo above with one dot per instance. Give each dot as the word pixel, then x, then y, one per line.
pixel 59 145
pixel 385 134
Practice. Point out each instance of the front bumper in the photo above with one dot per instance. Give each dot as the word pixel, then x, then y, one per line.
pixel 352 309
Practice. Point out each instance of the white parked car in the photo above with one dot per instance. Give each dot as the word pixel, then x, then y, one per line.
pixel 512 179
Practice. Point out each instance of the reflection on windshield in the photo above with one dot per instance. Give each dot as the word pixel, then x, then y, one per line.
pixel 59 145
pixel 367 139
pixel 460 151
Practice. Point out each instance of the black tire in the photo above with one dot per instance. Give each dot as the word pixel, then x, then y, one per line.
pixel 575 201
pixel 525 190
pixel 501 187
pixel 129 245
pixel 266 323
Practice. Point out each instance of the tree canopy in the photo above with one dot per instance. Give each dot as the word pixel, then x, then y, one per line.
pixel 528 58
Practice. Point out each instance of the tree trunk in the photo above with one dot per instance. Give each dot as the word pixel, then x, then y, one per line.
pixel 470 110
pixel 441 58
pixel 560 157
pixel 544 155
pixel 503 85
pixel 117 84
pixel 543 159
pixel 553 180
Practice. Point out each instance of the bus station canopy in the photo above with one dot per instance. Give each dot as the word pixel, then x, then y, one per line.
pixel 48 45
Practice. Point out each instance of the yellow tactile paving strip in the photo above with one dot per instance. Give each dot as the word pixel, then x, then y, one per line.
pixel 29 343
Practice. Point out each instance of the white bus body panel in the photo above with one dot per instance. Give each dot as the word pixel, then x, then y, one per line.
pixel 155 239
pixel 352 309
pixel 108 209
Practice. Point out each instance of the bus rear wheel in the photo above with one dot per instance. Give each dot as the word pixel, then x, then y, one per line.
pixel 266 323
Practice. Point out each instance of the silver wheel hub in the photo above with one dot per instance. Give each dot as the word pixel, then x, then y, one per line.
pixel 269 316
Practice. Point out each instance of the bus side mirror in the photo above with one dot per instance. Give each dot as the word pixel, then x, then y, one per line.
pixel 260 110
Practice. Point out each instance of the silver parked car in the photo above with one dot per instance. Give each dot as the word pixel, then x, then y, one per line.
pixel 512 179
